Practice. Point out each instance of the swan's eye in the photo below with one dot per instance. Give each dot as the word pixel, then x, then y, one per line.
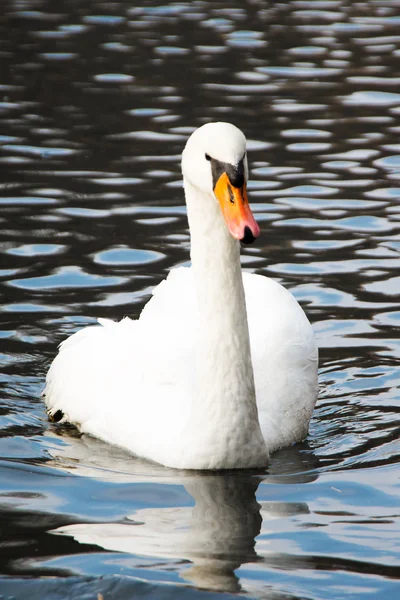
pixel 208 157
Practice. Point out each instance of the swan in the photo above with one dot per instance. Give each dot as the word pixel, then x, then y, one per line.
pixel 220 368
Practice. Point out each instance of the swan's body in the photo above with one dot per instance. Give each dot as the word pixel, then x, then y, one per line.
pixel 198 381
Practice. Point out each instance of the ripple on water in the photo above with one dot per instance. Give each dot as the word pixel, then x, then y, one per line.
pixel 285 106
pixel 372 98
pixel 26 200
pixel 36 249
pixel 148 136
pixel 66 277
pixel 392 163
pixel 364 223
pixel 127 256
pixel 107 20
pixel 114 78
pixel 306 133
pixel 90 213
pixel 308 147
pixel 387 193
pixel 386 287
pixel 40 151
pixel 116 181
pixel 390 318
pixel 300 72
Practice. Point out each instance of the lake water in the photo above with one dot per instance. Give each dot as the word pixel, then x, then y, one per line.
pixel 97 100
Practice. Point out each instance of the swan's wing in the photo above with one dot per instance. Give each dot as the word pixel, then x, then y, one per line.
pixel 112 379
pixel 169 321
pixel 86 372
pixel 285 361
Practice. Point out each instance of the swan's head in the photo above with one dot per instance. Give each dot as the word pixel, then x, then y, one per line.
pixel 214 160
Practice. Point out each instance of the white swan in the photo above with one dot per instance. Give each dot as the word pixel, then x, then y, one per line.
pixel 198 381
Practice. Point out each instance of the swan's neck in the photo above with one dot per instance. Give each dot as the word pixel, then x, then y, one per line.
pixel 225 406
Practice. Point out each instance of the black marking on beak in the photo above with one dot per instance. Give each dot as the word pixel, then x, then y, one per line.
pixel 235 172
pixel 248 237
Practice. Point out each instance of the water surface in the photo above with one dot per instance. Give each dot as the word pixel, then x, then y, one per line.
pixel 96 103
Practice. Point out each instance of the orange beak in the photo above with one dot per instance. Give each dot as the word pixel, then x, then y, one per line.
pixel 236 210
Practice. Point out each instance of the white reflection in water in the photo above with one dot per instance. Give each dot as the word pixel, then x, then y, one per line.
pixel 216 532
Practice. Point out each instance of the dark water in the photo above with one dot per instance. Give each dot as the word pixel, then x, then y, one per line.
pixel 96 102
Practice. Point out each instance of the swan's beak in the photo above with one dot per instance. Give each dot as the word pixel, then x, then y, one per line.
pixel 236 210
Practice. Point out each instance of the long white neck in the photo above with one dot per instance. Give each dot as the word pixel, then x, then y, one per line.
pixel 224 409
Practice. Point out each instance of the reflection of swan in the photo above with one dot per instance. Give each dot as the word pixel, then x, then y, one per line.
pixel 217 534
pixel 179 386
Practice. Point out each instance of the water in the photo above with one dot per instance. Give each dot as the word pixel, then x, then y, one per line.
pixel 96 102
